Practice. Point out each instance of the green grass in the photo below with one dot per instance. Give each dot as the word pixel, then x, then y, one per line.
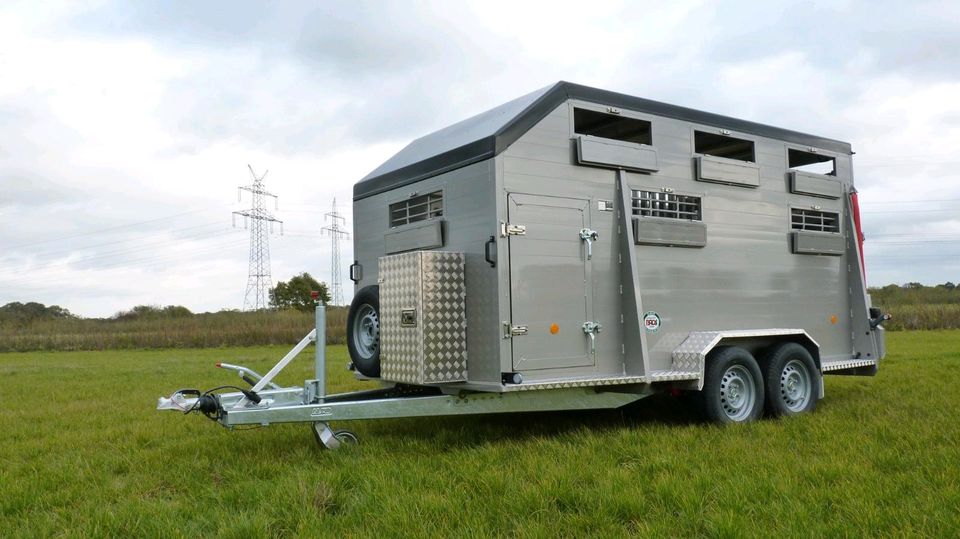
pixel 83 453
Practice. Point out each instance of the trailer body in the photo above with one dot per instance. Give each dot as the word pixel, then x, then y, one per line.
pixel 577 248
pixel 690 244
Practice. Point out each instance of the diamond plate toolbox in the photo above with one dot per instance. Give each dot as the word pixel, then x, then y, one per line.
pixel 423 326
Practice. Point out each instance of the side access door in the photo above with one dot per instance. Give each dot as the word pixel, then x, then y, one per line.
pixel 550 291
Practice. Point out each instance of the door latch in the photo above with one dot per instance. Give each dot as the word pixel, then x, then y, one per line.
pixel 589 236
pixel 506 229
pixel 591 329
pixel 510 331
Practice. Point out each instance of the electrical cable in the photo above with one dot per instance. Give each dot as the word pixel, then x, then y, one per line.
pixel 118 227
pixel 217 413
pixel 137 255
pixel 140 247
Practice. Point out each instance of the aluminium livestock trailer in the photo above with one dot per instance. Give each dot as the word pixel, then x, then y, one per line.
pixel 578 248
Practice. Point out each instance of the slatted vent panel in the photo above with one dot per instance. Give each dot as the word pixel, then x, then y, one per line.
pixel 669 205
pixel 814 220
pixel 419 208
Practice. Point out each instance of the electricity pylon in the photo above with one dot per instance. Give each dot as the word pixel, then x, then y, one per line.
pixel 336 229
pixel 260 222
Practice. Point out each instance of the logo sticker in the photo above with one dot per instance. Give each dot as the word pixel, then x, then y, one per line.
pixel 651 321
pixel 321 411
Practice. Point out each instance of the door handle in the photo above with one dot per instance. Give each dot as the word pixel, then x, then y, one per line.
pixel 591 329
pixel 589 236
pixel 487 254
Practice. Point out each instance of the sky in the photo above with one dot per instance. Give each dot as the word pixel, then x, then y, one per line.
pixel 127 127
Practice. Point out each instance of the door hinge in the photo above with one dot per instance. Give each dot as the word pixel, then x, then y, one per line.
pixel 513 331
pixel 507 229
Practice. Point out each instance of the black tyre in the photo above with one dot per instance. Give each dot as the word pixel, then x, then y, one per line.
pixel 791 380
pixel 732 387
pixel 363 331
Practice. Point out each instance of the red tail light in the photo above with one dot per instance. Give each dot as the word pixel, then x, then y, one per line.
pixel 855 204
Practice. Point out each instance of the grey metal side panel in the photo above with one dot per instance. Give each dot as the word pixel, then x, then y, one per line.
pixel 817 243
pixel 731 171
pixel 488 134
pixel 669 232
pixel 543 162
pixel 745 277
pixel 422 235
pixel 636 357
pixel 820 185
pixel 470 215
pixel 616 154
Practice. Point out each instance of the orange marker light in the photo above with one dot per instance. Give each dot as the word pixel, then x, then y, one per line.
pixel 554 329
pixel 833 319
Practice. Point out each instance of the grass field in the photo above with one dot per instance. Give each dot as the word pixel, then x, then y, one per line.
pixel 85 455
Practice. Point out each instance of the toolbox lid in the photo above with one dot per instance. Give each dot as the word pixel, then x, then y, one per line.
pixel 487 134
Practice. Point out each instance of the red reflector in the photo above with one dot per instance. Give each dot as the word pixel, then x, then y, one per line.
pixel 218 365
pixel 314 294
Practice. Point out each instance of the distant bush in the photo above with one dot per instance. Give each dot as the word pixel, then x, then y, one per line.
pixel 154 311
pixel 916 306
pixel 25 313
pixel 916 294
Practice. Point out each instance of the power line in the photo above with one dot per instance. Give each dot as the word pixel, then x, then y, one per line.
pixel 888 212
pixel 71 275
pixel 260 223
pixel 102 230
pixel 124 240
pixel 140 247
pixel 916 201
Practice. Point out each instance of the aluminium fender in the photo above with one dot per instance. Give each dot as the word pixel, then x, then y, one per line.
pixel 691 354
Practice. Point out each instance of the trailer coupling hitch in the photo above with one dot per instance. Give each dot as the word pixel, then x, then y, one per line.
pixel 206 403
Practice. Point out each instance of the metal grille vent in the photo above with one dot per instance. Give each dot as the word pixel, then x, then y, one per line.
pixel 419 208
pixel 669 205
pixel 814 220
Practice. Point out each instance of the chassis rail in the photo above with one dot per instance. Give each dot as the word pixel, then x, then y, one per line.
pixel 266 403
pixel 368 405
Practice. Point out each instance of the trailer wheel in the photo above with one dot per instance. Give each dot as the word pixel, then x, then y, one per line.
pixel 346 437
pixel 732 387
pixel 791 378
pixel 363 331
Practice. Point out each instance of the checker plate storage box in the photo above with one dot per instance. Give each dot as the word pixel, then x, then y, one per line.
pixel 423 335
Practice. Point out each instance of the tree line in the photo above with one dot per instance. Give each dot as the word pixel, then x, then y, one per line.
pixel 294 294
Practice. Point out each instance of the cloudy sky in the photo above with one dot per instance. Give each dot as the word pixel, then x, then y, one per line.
pixel 127 127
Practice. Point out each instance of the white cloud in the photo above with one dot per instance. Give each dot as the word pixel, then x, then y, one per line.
pixel 116 115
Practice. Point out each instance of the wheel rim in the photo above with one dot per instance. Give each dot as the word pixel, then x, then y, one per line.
pixel 366 331
pixel 346 437
pixel 795 386
pixel 738 393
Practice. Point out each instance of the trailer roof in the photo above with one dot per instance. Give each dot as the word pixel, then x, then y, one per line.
pixel 489 133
